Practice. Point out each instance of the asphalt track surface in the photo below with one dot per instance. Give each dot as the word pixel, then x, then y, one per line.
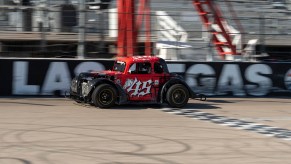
pixel 220 130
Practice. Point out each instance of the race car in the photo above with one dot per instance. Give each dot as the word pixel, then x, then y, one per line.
pixel 137 79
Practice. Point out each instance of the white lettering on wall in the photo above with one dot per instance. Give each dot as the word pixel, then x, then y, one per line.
pixel 254 73
pixel 201 78
pixel 57 78
pixel 230 80
pixel 20 80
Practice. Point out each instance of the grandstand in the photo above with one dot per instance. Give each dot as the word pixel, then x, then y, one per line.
pixel 259 18
pixel 23 35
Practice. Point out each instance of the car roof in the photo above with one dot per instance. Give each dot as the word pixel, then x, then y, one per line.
pixel 139 59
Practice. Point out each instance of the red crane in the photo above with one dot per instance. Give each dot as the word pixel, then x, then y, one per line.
pixel 212 19
pixel 129 25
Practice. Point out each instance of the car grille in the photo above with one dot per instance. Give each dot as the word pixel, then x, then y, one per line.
pixel 85 89
pixel 74 85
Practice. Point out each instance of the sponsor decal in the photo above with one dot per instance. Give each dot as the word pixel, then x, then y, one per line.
pixel 157 82
pixel 135 87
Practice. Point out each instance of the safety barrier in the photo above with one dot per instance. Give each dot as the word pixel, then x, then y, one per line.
pixel 52 76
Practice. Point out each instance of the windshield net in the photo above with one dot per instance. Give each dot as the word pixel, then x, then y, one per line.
pixel 119 66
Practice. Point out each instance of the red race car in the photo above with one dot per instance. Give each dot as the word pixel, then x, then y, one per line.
pixel 138 79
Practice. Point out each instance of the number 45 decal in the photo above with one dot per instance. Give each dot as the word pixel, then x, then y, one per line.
pixel 138 88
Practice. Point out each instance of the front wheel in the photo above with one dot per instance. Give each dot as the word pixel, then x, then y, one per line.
pixel 104 96
pixel 177 96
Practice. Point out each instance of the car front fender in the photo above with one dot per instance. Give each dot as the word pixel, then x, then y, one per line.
pixel 92 84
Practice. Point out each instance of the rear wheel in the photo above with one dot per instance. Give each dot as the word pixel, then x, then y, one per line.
pixel 177 96
pixel 104 96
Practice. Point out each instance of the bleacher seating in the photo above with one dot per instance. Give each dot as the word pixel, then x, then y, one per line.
pixel 259 18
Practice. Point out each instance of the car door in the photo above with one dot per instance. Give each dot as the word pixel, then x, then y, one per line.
pixel 139 82
pixel 160 76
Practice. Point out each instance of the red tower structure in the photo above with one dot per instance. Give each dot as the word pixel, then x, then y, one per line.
pixel 212 19
pixel 129 24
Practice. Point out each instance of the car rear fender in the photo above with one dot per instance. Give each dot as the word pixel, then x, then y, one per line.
pixel 171 82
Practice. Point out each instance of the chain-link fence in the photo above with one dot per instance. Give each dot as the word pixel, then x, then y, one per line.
pixel 58 28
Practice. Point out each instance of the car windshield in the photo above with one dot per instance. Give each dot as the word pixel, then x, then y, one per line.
pixel 119 66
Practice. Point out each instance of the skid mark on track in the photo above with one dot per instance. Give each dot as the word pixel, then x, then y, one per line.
pixel 266 130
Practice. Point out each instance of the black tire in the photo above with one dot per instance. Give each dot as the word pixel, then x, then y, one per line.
pixel 104 96
pixel 177 96
pixel 78 101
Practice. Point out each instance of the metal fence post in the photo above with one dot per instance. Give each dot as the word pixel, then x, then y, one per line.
pixel 102 31
pixel 262 34
pixel 81 25
pixel 43 9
